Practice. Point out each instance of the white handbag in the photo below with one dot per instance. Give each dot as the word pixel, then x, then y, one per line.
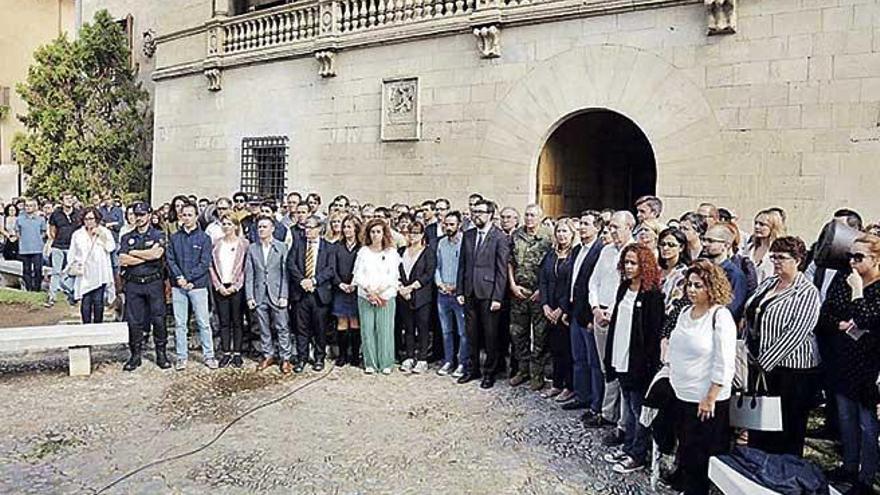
pixel 756 412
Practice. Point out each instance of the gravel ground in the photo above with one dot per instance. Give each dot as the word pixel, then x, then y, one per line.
pixel 344 433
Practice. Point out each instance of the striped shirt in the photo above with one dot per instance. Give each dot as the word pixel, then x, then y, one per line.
pixel 783 324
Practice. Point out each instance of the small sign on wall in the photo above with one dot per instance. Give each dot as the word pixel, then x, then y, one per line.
pixel 401 113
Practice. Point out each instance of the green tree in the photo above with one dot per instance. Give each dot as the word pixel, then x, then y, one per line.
pixel 88 121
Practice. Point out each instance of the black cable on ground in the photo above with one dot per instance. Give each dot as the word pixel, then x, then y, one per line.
pixel 218 435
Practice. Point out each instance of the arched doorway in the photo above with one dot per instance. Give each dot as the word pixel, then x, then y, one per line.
pixel 592 160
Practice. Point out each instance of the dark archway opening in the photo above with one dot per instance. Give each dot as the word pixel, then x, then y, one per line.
pixel 595 159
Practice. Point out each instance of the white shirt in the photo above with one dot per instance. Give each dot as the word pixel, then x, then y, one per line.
pixel 622 332
pixel 226 260
pixel 266 248
pixel 605 279
pixel 578 262
pixel 214 231
pixel 94 255
pixel 409 261
pixel 376 272
pixel 700 355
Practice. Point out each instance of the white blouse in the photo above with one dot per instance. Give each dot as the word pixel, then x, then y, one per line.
pixel 622 332
pixel 94 254
pixel 376 272
pixel 226 260
pixel 700 355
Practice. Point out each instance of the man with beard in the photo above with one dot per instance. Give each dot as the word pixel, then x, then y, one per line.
pixel 482 280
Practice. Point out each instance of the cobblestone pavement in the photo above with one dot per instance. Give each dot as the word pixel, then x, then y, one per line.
pixel 347 433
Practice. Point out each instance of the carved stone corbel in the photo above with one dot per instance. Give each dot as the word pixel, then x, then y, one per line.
pixel 214 79
pixel 489 40
pixel 149 47
pixel 721 16
pixel 326 63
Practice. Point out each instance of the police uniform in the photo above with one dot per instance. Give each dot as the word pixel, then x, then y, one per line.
pixel 145 293
pixel 528 326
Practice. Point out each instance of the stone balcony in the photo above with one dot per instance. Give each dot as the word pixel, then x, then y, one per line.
pixel 321 28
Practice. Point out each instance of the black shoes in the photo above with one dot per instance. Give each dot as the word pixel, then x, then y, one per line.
pixel 593 420
pixel 613 439
pixel 225 359
pixel 162 358
pixel 574 405
pixel 134 362
pixel 468 377
pixel 298 367
pixel 487 383
pixel 318 366
pixel 237 361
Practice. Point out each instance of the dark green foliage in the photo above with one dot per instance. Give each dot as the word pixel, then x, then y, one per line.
pixel 88 121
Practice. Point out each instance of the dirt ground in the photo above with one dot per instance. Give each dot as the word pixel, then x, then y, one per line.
pixel 340 432
pixel 22 315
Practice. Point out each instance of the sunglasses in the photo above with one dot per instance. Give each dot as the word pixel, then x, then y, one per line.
pixel 669 244
pixel 856 257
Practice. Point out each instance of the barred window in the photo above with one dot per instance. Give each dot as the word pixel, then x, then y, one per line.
pixel 264 166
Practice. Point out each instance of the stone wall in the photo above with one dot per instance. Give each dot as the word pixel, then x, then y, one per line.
pixel 784 112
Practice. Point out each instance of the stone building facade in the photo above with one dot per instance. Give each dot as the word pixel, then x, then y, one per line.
pixel 572 103
pixel 24 26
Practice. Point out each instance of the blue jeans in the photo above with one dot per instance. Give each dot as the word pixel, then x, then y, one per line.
pixel 180 300
pixel 58 281
pixel 635 436
pixel 92 306
pixel 858 435
pixel 589 384
pixel 450 310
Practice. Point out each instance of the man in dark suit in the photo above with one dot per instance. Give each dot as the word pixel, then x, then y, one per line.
pixel 589 383
pixel 310 265
pixel 482 281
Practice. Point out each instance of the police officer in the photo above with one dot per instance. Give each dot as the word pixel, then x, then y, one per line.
pixel 528 327
pixel 141 253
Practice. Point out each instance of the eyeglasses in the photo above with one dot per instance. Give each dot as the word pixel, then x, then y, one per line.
pixel 240 201
pixel 856 257
pixel 711 240
pixel 669 244
pixel 779 258
pixel 479 212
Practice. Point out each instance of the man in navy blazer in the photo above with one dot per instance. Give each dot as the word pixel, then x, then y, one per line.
pixel 311 269
pixel 482 281
pixel 589 383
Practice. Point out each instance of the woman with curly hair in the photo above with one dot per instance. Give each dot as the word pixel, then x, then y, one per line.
pixel 632 355
pixel 701 356
pixel 375 274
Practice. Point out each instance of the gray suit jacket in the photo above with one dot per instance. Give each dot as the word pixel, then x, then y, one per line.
pixel 263 280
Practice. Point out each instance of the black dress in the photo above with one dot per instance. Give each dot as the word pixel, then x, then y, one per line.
pixel 854 364
pixel 344 303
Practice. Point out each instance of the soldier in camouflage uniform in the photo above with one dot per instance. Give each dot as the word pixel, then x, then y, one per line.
pixel 528 327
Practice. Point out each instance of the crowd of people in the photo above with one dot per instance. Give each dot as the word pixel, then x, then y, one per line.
pixel 599 305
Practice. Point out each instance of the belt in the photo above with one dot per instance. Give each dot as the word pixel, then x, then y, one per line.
pixel 145 279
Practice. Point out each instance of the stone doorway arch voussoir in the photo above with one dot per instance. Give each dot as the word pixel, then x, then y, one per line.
pixel 670 110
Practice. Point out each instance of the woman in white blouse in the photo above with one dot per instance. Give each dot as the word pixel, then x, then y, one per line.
pixel 89 264
pixel 701 355
pixel 376 277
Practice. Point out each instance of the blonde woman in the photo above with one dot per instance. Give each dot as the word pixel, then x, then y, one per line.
pixel 769 226
pixel 334 227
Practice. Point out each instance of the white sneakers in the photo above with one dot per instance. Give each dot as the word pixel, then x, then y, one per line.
pixel 421 367
pixel 407 365
pixel 459 371
pixel 445 370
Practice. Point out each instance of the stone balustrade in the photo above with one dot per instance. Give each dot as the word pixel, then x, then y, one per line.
pixel 322 28
pixel 280 26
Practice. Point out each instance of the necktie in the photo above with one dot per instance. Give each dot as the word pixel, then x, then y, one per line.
pixel 479 239
pixel 310 261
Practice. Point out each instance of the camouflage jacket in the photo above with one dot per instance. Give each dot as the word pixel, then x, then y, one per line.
pixel 526 254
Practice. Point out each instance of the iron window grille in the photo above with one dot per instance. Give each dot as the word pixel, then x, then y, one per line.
pixel 264 167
